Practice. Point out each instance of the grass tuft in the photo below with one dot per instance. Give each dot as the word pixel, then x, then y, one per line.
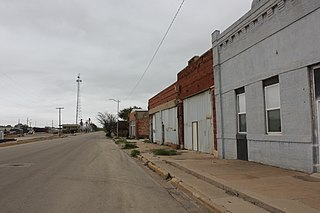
pixel 129 145
pixel 135 153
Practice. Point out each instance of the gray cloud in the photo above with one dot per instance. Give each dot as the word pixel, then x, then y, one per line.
pixel 45 44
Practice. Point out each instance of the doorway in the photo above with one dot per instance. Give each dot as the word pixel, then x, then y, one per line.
pixel 153 128
pixel 242 147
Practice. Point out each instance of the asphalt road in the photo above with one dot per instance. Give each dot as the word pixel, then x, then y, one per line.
pixel 84 173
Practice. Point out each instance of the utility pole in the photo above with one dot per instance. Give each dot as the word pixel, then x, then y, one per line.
pixel 78 108
pixel 60 126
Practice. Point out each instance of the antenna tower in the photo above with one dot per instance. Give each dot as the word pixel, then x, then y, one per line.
pixel 78 109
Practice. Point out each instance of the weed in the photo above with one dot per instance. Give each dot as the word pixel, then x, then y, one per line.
pixel 129 145
pixel 135 153
pixel 164 152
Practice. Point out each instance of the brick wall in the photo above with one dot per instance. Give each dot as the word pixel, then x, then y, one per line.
pixel 141 119
pixel 166 95
pixel 132 116
pixel 197 76
pixel 142 128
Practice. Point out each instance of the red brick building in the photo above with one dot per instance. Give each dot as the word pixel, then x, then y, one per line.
pixel 196 104
pixel 163 116
pixel 138 124
pixel 184 112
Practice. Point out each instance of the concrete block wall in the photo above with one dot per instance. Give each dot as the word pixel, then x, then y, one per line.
pixel 275 38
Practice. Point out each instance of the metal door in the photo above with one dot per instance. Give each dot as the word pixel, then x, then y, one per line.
pixel 195 136
pixel 162 133
pixel 242 147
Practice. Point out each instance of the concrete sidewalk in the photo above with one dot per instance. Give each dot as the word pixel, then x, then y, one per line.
pixel 236 186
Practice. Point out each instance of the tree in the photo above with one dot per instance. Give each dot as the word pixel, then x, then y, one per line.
pixel 124 113
pixel 94 127
pixel 108 121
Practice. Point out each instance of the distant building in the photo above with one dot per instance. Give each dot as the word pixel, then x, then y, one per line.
pixel 138 124
pixel 70 128
pixel 123 129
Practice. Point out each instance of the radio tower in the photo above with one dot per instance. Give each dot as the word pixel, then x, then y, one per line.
pixel 78 109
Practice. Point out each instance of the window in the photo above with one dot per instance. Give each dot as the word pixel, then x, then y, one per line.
pixel 241 111
pixel 272 105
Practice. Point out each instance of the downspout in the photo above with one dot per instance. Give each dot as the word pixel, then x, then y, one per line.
pixel 217 68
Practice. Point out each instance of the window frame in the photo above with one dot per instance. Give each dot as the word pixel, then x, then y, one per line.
pixel 242 93
pixel 271 109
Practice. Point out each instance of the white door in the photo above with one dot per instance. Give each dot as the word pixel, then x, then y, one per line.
pixel 154 128
pixel 195 136
pixel 317 101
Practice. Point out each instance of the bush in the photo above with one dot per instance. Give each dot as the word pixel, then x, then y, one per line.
pixel 135 153
pixel 164 152
pixel 129 145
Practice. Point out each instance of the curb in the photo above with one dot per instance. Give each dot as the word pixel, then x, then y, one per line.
pixel 202 199
pixel 205 201
pixel 154 167
pixel 229 189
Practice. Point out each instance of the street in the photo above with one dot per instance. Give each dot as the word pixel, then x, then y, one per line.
pixel 84 173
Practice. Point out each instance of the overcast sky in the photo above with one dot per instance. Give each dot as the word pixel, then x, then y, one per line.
pixel 44 44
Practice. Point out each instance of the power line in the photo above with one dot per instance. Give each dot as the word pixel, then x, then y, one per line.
pixel 158 48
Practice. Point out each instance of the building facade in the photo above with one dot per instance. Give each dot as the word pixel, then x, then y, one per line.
pixel 183 114
pixel 163 117
pixel 267 79
pixel 138 124
pixel 196 107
